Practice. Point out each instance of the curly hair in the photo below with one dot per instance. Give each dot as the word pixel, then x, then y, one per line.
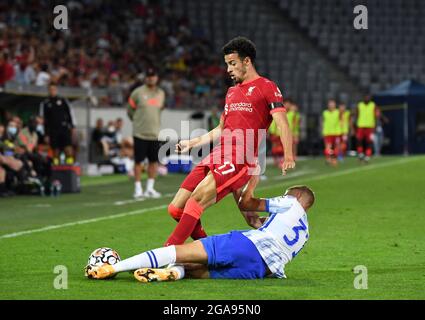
pixel 242 46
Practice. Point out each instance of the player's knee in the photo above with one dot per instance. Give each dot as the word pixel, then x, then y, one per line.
pixel 197 195
pixel 175 212
pixel 204 194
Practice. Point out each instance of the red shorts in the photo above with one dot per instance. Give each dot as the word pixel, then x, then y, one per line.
pixel 365 133
pixel 228 177
pixel 332 140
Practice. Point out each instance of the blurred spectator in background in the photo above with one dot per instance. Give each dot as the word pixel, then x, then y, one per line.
pixel 43 147
pixel 294 120
pixel 59 125
pixel 118 130
pixel 27 138
pixel 109 140
pixel 101 50
pixel 214 118
pixel 6 69
pixel 24 71
pixel 8 160
pixel 10 136
pixel 27 141
pixel 115 91
pixel 43 77
pixel 3 189
pixel 345 130
pixel 27 170
pixel 96 136
pixel 378 137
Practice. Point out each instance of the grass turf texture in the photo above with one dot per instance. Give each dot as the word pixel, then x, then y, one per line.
pixel 369 215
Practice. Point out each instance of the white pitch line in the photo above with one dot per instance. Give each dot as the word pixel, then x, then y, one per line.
pixel 125 214
pixel 39 205
pixel 123 202
pixel 70 224
pixel 93 204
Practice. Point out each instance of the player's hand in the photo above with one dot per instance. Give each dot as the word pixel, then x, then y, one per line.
pixel 252 219
pixel 183 146
pixel 288 163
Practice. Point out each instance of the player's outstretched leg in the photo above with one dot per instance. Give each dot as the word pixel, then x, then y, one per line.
pixel 150 259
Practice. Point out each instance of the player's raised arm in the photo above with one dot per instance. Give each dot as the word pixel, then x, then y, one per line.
pixel 286 138
pixel 251 217
pixel 185 145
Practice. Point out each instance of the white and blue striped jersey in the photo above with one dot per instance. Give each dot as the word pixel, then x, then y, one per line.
pixel 283 234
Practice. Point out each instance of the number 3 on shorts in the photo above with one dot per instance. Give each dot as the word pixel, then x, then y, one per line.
pixel 226 168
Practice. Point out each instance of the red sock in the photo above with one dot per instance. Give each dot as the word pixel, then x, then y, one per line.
pixel 369 152
pixel 191 215
pixel 182 231
pixel 198 232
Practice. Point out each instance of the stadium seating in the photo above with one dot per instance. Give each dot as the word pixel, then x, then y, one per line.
pixel 388 52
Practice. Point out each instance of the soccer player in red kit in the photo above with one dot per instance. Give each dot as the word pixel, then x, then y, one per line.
pixel 251 104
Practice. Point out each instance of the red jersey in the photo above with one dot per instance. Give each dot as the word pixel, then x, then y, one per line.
pixel 246 116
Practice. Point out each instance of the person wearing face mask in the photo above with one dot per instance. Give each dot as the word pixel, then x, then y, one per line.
pixel 9 138
pixel 109 140
pixel 43 145
pixel 39 129
pixel 12 130
pixel 8 162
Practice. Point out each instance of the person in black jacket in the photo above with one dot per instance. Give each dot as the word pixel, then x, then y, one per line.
pixel 59 124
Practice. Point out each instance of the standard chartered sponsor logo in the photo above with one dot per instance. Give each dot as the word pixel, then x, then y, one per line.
pixel 240 106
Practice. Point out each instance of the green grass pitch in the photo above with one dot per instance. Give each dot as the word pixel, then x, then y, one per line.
pixel 371 215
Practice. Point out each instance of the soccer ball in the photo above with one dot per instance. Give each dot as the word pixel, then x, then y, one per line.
pixel 103 255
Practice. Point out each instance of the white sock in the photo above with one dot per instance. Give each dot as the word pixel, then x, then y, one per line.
pixel 179 269
pixel 150 259
pixel 149 184
pixel 138 186
pixel 129 164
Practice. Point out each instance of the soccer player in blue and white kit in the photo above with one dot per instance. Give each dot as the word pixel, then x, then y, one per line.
pixel 252 254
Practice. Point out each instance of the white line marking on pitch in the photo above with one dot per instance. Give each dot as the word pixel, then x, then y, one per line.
pixel 123 202
pixel 70 224
pixel 125 214
pixel 93 204
pixel 40 205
